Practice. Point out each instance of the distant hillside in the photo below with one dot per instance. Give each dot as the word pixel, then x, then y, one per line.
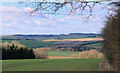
pixel 69 40
pixel 51 35
pixel 41 37
pixel 83 34
pixel 59 36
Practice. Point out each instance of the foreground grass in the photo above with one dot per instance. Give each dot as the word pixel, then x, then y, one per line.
pixel 52 65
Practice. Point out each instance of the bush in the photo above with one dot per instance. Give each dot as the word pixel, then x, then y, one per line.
pixel 91 54
pixel 40 54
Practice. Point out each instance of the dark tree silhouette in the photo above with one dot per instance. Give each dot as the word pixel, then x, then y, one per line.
pixel 111 35
pixel 14 52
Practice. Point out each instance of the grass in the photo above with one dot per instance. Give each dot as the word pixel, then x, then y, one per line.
pixel 62 53
pixel 31 43
pixel 52 65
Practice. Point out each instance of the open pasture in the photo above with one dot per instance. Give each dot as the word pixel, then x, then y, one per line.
pixel 52 65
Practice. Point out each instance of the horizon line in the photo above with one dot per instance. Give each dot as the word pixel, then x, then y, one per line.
pixel 50 33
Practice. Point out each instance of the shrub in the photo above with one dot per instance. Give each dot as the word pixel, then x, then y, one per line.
pixel 91 54
pixel 40 54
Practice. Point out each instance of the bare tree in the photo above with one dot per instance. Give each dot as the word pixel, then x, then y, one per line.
pixel 65 8
pixel 62 8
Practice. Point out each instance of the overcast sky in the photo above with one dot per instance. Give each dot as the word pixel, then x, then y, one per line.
pixel 15 20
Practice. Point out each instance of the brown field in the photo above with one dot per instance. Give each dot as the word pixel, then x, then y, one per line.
pixel 83 39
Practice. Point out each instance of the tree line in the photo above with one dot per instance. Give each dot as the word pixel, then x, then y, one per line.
pixel 14 52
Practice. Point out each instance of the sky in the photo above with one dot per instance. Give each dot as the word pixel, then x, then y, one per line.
pixel 17 20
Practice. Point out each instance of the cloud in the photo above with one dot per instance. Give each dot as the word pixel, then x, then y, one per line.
pixel 78 17
pixel 8 24
pixel 37 22
pixel 28 9
pixel 16 20
pixel 9 9
pixel 61 20
pixel 27 22
pixel 21 22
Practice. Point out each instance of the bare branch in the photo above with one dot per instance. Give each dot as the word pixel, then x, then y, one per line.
pixel 76 8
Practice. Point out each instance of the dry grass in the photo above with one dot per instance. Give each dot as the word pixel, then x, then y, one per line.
pixel 83 39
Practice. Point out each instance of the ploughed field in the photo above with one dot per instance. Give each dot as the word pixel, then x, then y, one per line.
pixel 52 65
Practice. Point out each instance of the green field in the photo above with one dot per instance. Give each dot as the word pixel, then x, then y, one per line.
pixel 52 65
pixel 31 43
pixel 61 53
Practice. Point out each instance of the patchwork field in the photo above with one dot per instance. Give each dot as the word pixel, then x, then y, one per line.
pixel 52 65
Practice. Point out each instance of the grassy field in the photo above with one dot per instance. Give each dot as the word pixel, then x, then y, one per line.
pixel 31 43
pixel 52 65
pixel 61 53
